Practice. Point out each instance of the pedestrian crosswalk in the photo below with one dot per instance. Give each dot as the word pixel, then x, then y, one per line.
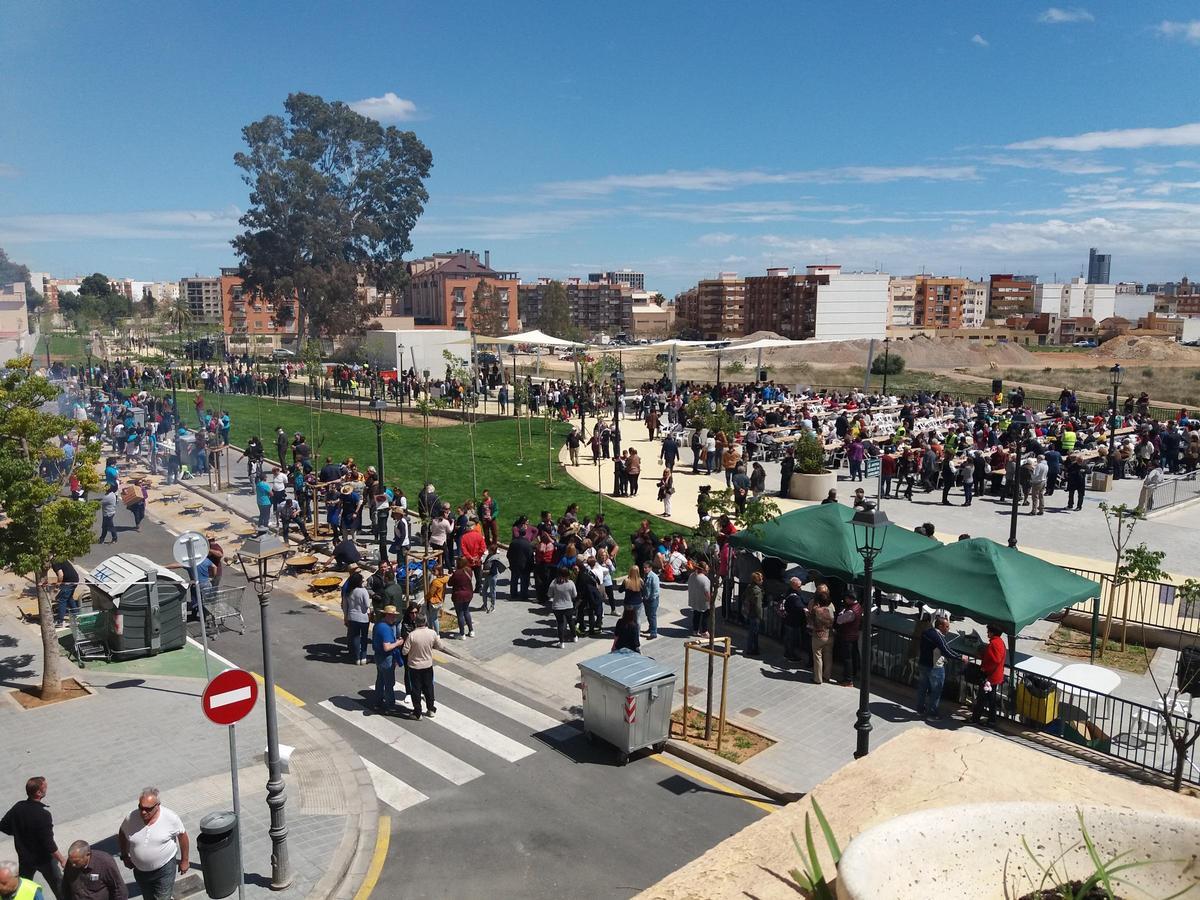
pixel 476 729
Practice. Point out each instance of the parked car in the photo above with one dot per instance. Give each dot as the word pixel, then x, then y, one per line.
pixel 1085 343
pixel 283 353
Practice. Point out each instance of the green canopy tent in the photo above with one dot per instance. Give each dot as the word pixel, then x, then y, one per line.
pixel 990 583
pixel 822 538
pixel 987 581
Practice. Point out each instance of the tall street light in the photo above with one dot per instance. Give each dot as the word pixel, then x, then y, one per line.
pixel 87 346
pixel 1114 375
pixel 1016 497
pixel 378 407
pixel 262 560
pixel 870 530
pixel 887 346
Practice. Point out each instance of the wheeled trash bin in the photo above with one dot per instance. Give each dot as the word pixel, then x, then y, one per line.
pixel 140 604
pixel 627 701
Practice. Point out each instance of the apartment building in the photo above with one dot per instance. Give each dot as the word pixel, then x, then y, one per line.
pixel 596 307
pixel 633 280
pixel 1099 267
pixel 1076 299
pixel 715 307
pixel 938 302
pixel 203 296
pixel 974 304
pixel 1011 295
pixel 441 287
pixel 902 302
pixel 252 322
pixel 781 302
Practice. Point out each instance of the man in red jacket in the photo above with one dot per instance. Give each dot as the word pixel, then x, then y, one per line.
pixel 992 663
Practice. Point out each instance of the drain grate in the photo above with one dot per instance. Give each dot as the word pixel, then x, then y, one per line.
pixel 692 690
pixel 749 712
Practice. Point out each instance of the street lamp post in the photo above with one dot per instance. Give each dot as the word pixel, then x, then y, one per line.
pixel 262 560
pixel 887 346
pixel 378 408
pixel 88 347
pixel 1114 375
pixel 870 530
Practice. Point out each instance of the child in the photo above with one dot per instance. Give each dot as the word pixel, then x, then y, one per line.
pixel 435 596
pixel 493 565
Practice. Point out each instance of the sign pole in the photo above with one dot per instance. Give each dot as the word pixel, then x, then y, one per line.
pixel 237 809
pixel 190 548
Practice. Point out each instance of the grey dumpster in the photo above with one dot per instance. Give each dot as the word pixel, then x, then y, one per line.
pixel 140 604
pixel 218 849
pixel 627 701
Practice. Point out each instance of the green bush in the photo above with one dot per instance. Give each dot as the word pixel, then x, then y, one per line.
pixel 1149 373
pixel 810 455
pixel 736 368
pixel 700 415
pixel 891 364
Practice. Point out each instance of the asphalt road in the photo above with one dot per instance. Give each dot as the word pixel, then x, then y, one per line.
pixel 477 820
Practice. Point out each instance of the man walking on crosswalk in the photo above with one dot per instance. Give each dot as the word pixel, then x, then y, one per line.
pixel 386 644
pixel 418 650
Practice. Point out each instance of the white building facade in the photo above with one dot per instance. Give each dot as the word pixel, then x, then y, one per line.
pixel 852 305
pixel 1076 299
pixel 974 304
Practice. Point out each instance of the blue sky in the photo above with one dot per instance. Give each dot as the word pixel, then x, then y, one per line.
pixel 679 139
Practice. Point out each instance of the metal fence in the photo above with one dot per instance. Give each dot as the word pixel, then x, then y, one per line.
pixel 1173 490
pixel 1135 733
pixel 1153 603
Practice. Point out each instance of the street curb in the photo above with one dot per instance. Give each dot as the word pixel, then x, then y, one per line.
pixel 348 864
pixel 695 755
pixel 730 772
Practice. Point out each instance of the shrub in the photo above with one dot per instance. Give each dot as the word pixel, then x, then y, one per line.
pixel 891 364
pixel 810 455
pixel 735 368
pixel 1149 373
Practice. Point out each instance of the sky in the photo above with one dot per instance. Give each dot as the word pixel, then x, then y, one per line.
pixel 677 139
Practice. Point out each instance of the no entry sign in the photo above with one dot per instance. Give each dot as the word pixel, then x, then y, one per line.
pixel 230 696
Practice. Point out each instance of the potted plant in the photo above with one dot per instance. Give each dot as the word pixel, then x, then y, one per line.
pixel 810 479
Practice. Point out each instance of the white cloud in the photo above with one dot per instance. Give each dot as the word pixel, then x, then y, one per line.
pixel 387 109
pixel 980 40
pixel 1187 31
pixel 1065 166
pixel 181 224
pixel 716 239
pixel 1163 188
pixel 1119 139
pixel 1056 15
pixel 727 180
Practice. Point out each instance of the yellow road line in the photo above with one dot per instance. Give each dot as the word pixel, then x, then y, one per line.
pixel 280 692
pixel 711 782
pixel 382 837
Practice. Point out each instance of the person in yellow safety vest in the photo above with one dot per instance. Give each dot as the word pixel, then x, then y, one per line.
pixel 1067 441
pixel 14 887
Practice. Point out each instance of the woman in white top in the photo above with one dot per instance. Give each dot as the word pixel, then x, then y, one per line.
pixel 356 614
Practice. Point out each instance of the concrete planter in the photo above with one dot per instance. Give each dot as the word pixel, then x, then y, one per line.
pixel 968 852
pixel 812 487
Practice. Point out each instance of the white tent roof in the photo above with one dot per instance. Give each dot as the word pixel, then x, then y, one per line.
pixel 540 338
pixel 770 344
pixel 675 343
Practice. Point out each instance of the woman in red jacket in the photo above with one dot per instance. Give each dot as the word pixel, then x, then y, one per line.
pixel 992 663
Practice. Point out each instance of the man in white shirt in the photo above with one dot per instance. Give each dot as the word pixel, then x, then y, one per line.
pixel 155 845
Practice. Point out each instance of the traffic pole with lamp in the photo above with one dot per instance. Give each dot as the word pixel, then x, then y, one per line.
pixel 886 348
pixel 1016 499
pixel 87 345
pixel 378 407
pixel 1114 375
pixel 262 559
pixel 870 530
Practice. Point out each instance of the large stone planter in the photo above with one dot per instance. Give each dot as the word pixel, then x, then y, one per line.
pixel 968 852
pixel 812 487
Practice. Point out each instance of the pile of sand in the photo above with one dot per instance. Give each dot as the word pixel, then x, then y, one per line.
pixel 919 353
pixel 1145 348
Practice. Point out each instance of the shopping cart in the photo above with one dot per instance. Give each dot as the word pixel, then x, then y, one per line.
pixel 221 605
pixel 85 640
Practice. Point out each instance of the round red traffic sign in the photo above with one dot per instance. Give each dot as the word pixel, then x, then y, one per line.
pixel 230 696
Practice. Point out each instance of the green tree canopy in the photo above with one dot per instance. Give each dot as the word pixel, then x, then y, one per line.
pixel 555 319
pixel 488 315
pixel 333 196
pixel 12 272
pixel 43 525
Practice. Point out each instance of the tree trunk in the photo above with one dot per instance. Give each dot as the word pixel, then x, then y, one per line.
pixel 1114 586
pixel 51 661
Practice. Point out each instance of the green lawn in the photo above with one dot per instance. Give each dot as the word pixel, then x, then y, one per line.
pixel 518 485
pixel 68 346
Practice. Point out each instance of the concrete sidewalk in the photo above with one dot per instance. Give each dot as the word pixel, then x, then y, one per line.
pixel 99 751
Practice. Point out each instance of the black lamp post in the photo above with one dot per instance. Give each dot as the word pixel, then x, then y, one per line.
pixel 378 407
pixel 887 346
pixel 870 530
pixel 1114 375
pixel 174 397
pixel 87 345
pixel 262 560
pixel 1016 497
